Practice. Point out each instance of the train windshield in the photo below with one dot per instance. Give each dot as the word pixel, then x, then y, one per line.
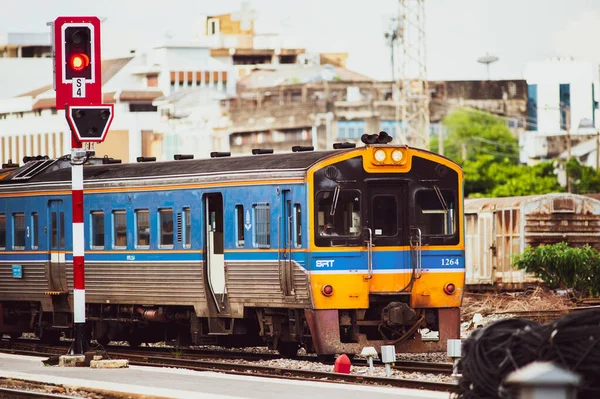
pixel 338 213
pixel 436 211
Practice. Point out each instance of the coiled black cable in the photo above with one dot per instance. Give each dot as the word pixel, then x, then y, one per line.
pixel 491 353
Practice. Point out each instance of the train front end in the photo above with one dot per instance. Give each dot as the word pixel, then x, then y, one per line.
pixel 386 250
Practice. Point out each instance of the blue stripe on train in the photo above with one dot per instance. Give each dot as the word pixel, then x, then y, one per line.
pixel 322 260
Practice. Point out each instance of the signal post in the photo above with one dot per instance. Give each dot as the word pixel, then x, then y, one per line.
pixel 78 85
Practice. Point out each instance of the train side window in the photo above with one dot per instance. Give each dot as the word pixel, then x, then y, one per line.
pixel 97 229
pixel 297 226
pixel 436 211
pixel 338 213
pixel 142 217
pixel 34 231
pixel 385 215
pixel 2 231
pixel 262 225
pixel 18 231
pixel 165 220
pixel 119 230
pixel 187 231
pixel 62 230
pixel 239 225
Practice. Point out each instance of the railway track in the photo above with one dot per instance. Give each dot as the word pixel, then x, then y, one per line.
pixel 204 354
pixel 26 394
pixel 144 358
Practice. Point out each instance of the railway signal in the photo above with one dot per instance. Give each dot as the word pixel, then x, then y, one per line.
pixel 90 123
pixel 77 61
pixel 78 85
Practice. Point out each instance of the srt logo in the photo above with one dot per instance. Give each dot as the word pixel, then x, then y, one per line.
pixel 324 263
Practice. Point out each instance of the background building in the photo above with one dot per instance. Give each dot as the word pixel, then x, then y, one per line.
pixel 562 109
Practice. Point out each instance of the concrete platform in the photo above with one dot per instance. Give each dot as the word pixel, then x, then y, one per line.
pixel 180 383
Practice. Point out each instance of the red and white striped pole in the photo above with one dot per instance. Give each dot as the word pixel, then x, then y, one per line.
pixel 80 345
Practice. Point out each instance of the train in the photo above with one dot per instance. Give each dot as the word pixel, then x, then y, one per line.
pixel 331 251
pixel 499 228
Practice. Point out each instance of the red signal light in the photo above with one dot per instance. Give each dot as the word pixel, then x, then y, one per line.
pixel 78 62
pixel 327 290
pixel 449 288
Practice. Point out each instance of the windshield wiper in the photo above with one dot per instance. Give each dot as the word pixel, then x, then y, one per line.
pixel 440 197
pixel 336 197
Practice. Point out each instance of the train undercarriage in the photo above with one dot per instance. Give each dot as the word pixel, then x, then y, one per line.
pixel 388 321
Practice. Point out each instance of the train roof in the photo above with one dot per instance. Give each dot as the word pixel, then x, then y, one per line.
pixel 60 169
pixel 475 205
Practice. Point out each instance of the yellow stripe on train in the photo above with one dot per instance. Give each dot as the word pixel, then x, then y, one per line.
pixel 351 291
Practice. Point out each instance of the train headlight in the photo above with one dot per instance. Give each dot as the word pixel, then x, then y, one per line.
pixel 449 288
pixel 397 156
pixel 379 155
pixel 327 290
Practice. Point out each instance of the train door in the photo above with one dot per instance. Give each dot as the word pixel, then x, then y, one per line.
pixel 55 225
pixel 214 249
pixel 387 226
pixel 286 267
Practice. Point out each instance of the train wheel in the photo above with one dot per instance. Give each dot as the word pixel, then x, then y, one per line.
pixel 288 349
pixel 50 337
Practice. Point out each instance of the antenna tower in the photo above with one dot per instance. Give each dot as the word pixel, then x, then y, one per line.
pixel 413 108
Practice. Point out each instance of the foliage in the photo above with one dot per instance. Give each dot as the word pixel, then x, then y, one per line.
pixel 563 266
pixel 491 156
pixel 584 179
pixel 475 133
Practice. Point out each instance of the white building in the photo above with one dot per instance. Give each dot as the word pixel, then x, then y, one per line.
pixel 31 125
pixel 562 95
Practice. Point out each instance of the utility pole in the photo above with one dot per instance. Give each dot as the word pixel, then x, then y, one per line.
pixel 597 150
pixel 568 129
pixel 412 79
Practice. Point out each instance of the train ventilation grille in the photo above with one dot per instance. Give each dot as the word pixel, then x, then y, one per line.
pixel 32 168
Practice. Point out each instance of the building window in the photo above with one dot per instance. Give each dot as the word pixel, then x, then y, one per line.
pixel 351 129
pixel 18 231
pixel 2 231
pixel 187 232
pixel 142 107
pixel 239 225
pixel 34 231
pixel 262 225
pixel 390 127
pixel 97 230
pixel 565 106
pixel 213 26
pixel 297 225
pixel 119 229
pixel 165 218
pixel 152 80
pixel 532 110
pixel 142 217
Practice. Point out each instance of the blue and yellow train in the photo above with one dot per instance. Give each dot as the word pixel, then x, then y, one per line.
pixel 327 250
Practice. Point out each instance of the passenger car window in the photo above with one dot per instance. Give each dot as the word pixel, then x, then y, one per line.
pixel 143 227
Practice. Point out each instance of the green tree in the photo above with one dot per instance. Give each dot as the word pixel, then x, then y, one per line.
pixel 491 165
pixel 477 133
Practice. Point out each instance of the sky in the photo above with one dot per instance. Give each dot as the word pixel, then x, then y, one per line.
pixel 457 31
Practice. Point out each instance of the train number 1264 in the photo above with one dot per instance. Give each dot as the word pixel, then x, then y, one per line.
pixel 450 261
